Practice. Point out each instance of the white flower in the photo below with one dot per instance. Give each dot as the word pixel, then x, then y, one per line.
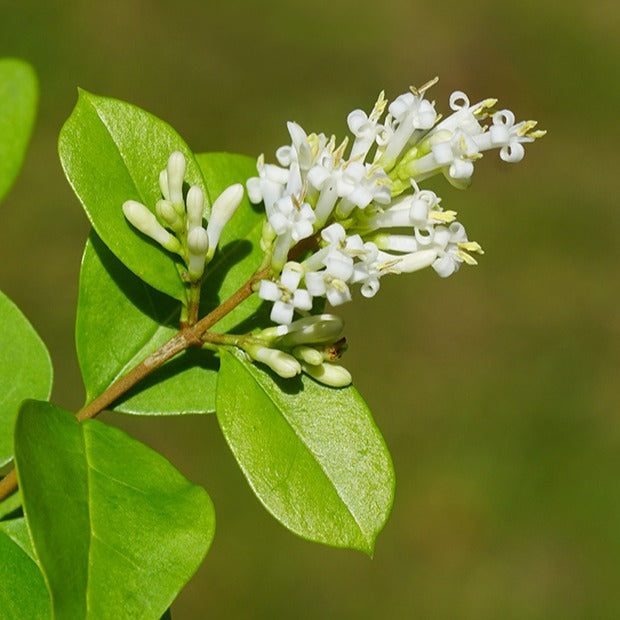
pixel 269 185
pixel 366 128
pixel 508 136
pixel 453 248
pixel 285 294
pixel 411 114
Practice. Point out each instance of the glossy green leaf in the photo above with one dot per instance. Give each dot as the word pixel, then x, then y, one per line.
pixel 10 505
pixel 18 106
pixel 121 320
pixel 118 531
pixel 17 531
pixel 112 151
pixel 22 589
pixel 239 254
pixel 25 370
pixel 312 454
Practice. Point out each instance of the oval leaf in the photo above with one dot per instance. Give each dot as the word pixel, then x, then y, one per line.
pixel 312 454
pixel 25 370
pixel 22 590
pixel 120 321
pixel 18 106
pixel 112 151
pixel 118 531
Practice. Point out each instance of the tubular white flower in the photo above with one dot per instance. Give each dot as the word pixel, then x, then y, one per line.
pixel 409 263
pixel 176 175
pixel 146 222
pixel 360 185
pixel 410 112
pixel 286 294
pixel 269 185
pixel 453 249
pixel 222 211
pixel 366 128
pixel 292 222
pixel 507 136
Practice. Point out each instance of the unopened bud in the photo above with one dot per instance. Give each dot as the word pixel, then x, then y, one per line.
pixel 176 174
pixel 222 210
pixel 329 374
pixel 169 215
pixel 146 222
pixel 163 184
pixel 195 207
pixel 281 363
pixel 318 329
pixel 197 246
pixel 309 355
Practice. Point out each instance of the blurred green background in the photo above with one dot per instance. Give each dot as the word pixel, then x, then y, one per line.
pixel 497 390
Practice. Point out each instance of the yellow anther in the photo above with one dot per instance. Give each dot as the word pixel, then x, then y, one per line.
pixel 537 134
pixel 484 107
pixel 442 216
pixel 339 152
pixel 526 127
pixel 470 246
pixel 422 89
pixel 467 258
pixel 379 107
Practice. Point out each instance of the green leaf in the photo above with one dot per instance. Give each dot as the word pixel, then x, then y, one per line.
pixel 120 321
pixel 312 454
pixel 118 531
pixel 25 370
pixel 112 151
pixel 17 531
pixel 18 106
pixel 22 589
pixel 10 505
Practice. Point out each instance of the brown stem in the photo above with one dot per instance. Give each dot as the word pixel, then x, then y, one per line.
pixel 8 484
pixel 188 336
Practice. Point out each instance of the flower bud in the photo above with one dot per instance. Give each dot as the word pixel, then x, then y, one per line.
pixel 163 184
pixel 197 246
pixel 176 174
pixel 318 329
pixel 195 207
pixel 169 215
pixel 222 210
pixel 146 222
pixel 309 355
pixel 281 363
pixel 333 375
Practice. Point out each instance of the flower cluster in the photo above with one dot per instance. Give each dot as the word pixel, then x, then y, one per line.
pixel 178 226
pixel 364 215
